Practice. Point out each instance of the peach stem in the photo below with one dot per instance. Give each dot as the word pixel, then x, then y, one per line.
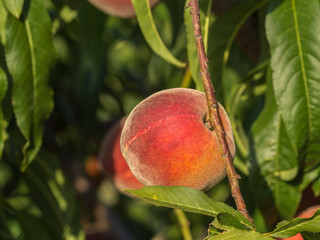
pixel 213 108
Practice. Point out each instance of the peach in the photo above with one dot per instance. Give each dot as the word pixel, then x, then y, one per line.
pixel 118 8
pixel 165 141
pixel 112 163
pixel 304 214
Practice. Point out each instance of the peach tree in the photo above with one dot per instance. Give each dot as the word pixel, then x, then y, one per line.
pixel 69 70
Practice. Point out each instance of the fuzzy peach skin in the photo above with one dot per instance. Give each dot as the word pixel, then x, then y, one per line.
pixel 111 161
pixel 165 141
pixel 118 8
pixel 305 214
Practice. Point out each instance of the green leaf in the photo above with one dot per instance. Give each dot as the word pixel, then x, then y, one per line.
pixel 273 159
pixel 298 225
pixel 30 55
pixel 14 7
pixel 206 19
pixel 220 231
pixel 309 179
pixel 3 123
pixel 292 28
pixel 29 223
pixel 237 234
pixel 151 34
pixel 223 32
pixel 3 16
pixel 53 195
pixel 316 187
pixel 287 198
pixel 189 200
pixel 310 236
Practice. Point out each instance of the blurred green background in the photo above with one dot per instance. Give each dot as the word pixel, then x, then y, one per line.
pixel 103 69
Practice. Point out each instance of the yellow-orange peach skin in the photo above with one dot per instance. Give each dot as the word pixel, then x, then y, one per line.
pixel 165 141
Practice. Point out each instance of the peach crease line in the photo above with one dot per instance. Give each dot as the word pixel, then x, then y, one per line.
pixel 156 124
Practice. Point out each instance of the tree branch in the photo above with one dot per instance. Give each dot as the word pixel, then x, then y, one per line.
pixel 213 107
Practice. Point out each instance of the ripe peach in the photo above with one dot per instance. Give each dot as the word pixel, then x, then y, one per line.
pixel 305 214
pixel 165 141
pixel 118 8
pixel 112 163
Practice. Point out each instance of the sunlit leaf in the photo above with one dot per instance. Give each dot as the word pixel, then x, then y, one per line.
pixel 30 54
pixel 3 16
pixel 189 200
pixel 151 34
pixel 292 28
pixel 3 123
pixel 14 7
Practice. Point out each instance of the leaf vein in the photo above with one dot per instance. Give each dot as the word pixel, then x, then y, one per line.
pixel 303 70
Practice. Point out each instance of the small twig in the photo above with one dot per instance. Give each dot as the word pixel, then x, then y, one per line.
pixel 184 224
pixel 213 108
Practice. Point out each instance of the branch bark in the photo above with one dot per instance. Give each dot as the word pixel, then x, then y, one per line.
pixel 213 107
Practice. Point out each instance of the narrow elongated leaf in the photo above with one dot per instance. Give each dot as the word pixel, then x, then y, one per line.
pixel 3 16
pixel 151 34
pixel 28 223
pixel 52 194
pixel 223 32
pixel 14 7
pixel 293 33
pixel 30 54
pixel 206 19
pixel 298 225
pixel 3 124
pixel 188 199
pixel 287 198
pixel 316 187
pixel 273 159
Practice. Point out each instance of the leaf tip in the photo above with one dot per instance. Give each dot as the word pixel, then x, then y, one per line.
pixel 24 165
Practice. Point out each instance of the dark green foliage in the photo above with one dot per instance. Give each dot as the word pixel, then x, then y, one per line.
pixel 68 71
